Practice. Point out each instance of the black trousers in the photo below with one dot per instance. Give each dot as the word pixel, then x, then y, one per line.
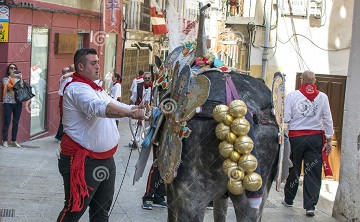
pixel 307 148
pixel 100 176
pixel 155 187
pixel 14 110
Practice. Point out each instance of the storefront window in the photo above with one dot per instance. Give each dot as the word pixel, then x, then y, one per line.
pixel 38 78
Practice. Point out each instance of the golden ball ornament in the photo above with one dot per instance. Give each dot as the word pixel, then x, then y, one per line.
pixel 221 131
pixel 244 144
pixel 225 149
pixel 219 112
pixel 234 156
pixel 237 108
pixel 227 120
pixel 240 126
pixel 248 163
pixel 235 187
pixel 231 137
pixel 252 181
pixel 236 173
pixel 228 164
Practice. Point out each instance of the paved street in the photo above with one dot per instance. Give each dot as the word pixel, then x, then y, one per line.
pixel 32 186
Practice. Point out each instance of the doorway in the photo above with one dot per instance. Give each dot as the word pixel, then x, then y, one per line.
pixel 38 78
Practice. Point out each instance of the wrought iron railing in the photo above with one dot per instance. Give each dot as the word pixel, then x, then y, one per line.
pixel 137 15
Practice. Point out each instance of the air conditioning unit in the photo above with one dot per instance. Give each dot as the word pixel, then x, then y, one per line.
pixel 316 8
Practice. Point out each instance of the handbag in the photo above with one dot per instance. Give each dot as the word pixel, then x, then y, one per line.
pixel 22 92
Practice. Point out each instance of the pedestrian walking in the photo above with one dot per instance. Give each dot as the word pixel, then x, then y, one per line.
pixel 134 84
pixel 89 141
pixel 12 108
pixel 307 112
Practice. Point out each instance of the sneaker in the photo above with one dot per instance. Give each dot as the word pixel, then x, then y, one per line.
pixel 310 213
pixel 5 144
pixel 160 204
pixel 286 204
pixel 147 205
pixel 210 206
pixel 16 144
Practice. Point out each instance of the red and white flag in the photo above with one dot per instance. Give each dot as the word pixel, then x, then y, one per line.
pixel 157 19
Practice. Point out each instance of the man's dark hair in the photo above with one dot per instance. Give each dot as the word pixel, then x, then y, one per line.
pixel 80 54
pixel 141 72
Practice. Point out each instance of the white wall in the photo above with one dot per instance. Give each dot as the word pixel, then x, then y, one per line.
pixel 333 34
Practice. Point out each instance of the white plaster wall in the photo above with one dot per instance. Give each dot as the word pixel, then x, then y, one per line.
pixel 333 34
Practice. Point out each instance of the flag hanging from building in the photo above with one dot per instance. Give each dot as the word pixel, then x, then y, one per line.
pixel 157 19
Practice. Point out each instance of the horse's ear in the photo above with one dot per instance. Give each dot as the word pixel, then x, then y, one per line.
pixel 158 61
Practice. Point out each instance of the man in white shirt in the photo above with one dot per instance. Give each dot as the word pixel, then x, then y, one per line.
pixel 307 112
pixel 91 137
pixel 134 84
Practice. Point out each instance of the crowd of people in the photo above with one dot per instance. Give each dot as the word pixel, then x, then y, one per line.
pixel 88 135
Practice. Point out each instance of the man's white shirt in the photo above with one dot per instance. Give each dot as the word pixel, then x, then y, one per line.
pixel 133 88
pixel 302 114
pixel 85 119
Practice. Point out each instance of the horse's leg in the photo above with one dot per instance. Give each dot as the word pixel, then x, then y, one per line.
pixel 220 209
pixel 172 207
pixel 184 203
pixel 243 211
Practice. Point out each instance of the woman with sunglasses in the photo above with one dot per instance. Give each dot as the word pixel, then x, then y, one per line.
pixel 11 107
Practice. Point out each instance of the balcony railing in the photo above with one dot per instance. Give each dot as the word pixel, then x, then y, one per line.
pixel 234 8
pixel 137 15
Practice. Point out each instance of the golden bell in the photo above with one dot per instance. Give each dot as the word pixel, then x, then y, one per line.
pixel 225 149
pixel 234 156
pixel 228 164
pixel 219 112
pixel 227 120
pixel 252 181
pixel 240 126
pixel 236 174
pixel 244 144
pixel 231 137
pixel 248 163
pixel 237 108
pixel 235 187
pixel 221 131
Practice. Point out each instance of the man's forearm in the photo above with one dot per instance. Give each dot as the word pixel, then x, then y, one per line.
pixel 115 111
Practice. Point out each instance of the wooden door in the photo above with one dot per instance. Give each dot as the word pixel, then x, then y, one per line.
pixel 334 88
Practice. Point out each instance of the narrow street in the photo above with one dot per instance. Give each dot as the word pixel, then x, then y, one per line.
pixel 32 186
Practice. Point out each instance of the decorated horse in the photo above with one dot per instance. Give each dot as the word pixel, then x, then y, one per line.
pixel 216 135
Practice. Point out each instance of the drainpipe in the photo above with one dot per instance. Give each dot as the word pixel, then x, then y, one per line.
pixel 123 46
pixel 265 54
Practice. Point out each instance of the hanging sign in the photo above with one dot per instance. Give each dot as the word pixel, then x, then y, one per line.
pixel 4 31
pixel 4 13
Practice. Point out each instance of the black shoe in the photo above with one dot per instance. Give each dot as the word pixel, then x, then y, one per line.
pixel 147 205
pixel 160 204
pixel 310 213
pixel 210 206
pixel 286 204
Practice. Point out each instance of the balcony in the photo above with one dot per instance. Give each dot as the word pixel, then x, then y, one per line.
pixel 239 12
pixel 137 15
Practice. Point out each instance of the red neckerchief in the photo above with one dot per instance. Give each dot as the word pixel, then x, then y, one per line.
pixel 80 78
pixel 148 85
pixel 139 77
pixel 117 81
pixel 309 91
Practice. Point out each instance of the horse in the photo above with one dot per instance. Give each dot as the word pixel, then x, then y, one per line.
pixel 200 178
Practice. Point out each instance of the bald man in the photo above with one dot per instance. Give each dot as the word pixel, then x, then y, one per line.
pixel 307 112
